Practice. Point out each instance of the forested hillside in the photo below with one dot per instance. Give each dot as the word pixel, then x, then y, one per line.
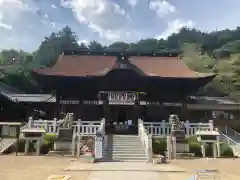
pixel 217 52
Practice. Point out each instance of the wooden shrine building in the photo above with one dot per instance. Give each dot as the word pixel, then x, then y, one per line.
pixel 122 87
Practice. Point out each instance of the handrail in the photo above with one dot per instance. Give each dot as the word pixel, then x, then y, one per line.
pixel 146 139
pixel 233 144
pixel 229 129
pixel 99 137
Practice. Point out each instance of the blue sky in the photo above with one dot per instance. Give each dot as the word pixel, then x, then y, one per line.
pixel 25 23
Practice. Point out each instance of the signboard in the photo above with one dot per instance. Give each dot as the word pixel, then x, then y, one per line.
pixel 129 122
pixel 122 98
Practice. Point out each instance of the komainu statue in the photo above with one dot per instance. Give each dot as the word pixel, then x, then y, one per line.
pixel 67 121
pixel 175 123
pixel 177 127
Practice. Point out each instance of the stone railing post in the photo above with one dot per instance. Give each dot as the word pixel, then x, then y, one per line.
pixel 169 147
pixel 74 141
pixel 103 122
pixel 30 122
pixel 150 153
pixel 139 124
pixel 163 128
pixel 174 148
pixel 187 126
pixel 79 127
pixel 46 125
pixel 78 145
pixel 55 125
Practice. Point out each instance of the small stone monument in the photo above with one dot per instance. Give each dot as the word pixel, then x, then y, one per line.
pixel 177 128
pixel 32 134
pixel 65 135
pixel 211 137
pixel 176 142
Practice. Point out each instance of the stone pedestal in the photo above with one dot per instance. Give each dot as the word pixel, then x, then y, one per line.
pixel 182 147
pixel 64 140
pixel 179 134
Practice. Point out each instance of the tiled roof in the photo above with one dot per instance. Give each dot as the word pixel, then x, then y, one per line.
pixel 211 100
pixel 35 98
pixel 165 67
pixel 70 65
pixel 85 65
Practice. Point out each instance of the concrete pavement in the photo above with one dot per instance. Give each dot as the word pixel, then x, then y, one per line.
pixel 124 166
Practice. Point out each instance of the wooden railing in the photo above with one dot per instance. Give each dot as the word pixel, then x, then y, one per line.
pixel 163 128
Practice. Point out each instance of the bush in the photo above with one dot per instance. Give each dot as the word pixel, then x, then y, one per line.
pixel 194 146
pixel 48 141
pixel 226 151
pixel 159 145
pixel 21 147
pixel 50 137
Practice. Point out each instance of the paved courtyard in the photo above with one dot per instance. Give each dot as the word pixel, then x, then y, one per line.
pixel 39 168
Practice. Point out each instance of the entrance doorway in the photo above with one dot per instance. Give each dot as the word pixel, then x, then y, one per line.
pixel 121 120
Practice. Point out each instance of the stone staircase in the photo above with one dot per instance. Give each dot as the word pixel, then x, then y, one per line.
pixel 6 143
pixel 232 138
pixel 123 148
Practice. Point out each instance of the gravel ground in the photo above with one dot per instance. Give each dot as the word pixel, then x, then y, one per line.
pixel 35 168
pixel 229 168
pixel 39 168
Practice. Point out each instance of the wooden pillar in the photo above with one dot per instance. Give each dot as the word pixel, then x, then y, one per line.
pixel 105 108
pixel 136 112
pixel 184 115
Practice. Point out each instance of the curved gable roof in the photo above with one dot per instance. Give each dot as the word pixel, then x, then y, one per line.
pixel 92 65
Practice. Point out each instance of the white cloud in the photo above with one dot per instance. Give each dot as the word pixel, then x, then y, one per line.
pixel 106 18
pixel 6 26
pixel 10 11
pixel 54 6
pixel 174 27
pixel 162 7
pixel 84 41
pixel 2 24
pixel 132 3
pixel 53 24
pixel 45 16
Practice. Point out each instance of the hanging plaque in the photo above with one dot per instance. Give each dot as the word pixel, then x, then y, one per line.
pixel 122 98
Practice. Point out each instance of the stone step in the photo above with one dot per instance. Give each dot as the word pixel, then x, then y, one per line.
pixel 126 158
pixel 125 144
pixel 125 155
pixel 125 139
pixel 117 141
pixel 124 150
